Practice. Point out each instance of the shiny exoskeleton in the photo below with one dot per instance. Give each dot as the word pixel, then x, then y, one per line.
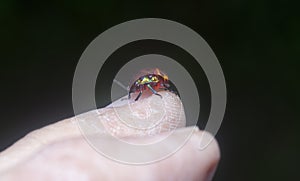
pixel 153 82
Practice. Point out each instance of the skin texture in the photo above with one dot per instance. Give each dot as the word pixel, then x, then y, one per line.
pixel 60 152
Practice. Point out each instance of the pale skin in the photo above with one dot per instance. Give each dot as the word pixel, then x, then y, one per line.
pixel 59 151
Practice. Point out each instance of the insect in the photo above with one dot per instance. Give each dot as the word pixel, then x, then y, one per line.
pixel 153 82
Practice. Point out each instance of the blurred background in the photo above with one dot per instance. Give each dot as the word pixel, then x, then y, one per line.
pixel 257 43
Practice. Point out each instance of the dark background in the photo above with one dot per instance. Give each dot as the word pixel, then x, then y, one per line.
pixel 256 41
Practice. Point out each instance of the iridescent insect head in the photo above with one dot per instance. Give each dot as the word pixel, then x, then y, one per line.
pixel 153 81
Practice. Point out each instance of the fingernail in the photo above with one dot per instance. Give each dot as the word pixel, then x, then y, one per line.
pixel 205 139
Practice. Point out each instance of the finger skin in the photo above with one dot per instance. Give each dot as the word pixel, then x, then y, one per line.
pixel 168 110
pixel 59 150
pixel 60 161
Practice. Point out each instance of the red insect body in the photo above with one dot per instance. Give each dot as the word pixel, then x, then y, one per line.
pixel 154 82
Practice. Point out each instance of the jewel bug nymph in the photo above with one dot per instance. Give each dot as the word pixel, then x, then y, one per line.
pixel 154 82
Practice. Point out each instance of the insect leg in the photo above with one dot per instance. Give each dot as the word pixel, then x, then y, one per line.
pixel 137 98
pixel 129 96
pixel 153 91
pixel 166 85
pixel 171 87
